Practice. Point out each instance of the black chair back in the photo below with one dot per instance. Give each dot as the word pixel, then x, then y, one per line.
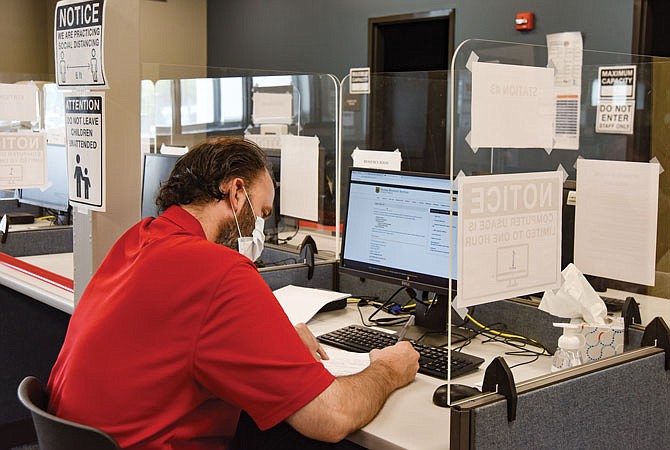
pixel 54 433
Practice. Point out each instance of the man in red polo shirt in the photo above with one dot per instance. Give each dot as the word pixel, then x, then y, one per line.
pixel 176 334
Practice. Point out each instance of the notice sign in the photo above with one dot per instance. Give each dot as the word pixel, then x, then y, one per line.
pixel 359 80
pixel 23 162
pixel 78 38
pixel 85 137
pixel 616 105
pixel 509 238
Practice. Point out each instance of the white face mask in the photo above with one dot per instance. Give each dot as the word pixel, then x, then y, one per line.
pixel 251 246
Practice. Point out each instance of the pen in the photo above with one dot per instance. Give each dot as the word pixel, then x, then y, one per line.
pixel 403 332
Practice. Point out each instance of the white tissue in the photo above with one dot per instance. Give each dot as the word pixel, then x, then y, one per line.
pixel 575 299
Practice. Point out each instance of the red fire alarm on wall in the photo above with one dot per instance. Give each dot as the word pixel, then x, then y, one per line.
pixel 525 21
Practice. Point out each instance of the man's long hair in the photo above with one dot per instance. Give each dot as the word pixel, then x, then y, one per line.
pixel 197 175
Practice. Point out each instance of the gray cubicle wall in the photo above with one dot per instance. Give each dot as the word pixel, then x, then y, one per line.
pixel 621 405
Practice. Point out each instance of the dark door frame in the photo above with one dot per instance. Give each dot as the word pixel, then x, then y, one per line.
pixel 375 59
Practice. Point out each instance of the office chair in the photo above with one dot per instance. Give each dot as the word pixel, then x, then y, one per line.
pixel 54 433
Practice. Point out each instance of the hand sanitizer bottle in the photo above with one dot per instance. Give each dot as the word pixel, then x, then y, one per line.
pixel 570 344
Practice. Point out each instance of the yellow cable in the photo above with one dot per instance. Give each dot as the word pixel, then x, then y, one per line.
pixel 45 218
pixel 507 335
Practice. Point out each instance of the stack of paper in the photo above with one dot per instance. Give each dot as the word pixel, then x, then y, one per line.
pixel 300 303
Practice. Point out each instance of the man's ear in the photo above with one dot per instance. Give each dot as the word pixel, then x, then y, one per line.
pixel 236 192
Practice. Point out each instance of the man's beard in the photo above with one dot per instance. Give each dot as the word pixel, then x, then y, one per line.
pixel 228 233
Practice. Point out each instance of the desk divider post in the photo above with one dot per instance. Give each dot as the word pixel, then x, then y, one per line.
pixel 630 314
pixel 657 334
pixel 499 378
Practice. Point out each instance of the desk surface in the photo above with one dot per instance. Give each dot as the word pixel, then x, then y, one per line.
pixel 409 418
pixel 38 286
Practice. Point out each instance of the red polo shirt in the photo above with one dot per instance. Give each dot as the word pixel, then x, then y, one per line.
pixel 172 337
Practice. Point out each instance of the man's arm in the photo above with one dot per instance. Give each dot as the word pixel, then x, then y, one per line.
pixel 352 401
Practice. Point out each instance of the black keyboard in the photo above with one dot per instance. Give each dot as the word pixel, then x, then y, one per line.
pixel 432 361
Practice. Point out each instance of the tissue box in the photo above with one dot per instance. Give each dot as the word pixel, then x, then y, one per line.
pixel 603 340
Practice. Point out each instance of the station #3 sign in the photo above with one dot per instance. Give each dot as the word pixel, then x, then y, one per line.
pixel 85 139
pixel 78 43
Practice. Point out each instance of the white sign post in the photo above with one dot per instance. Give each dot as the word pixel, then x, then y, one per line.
pixel 78 43
pixel 85 138
pixel 509 236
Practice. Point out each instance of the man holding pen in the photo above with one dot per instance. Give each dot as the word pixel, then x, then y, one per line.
pixel 176 335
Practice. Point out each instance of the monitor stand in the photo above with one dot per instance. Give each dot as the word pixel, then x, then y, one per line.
pixel 433 316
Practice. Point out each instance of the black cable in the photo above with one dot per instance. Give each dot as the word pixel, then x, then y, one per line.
pixel 387 321
pixel 285 240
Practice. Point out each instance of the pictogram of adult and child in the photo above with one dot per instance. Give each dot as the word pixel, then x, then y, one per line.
pixel 81 177
pixel 92 66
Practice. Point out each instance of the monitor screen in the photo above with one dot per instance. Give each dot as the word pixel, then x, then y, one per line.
pixel 398 228
pixel 155 171
pixel 55 196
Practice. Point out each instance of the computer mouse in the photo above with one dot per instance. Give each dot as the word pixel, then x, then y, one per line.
pixel 458 392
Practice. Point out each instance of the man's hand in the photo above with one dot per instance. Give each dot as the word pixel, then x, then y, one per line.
pixel 310 342
pixel 352 401
pixel 401 359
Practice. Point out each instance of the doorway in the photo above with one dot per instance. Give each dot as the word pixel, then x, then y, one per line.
pixel 409 56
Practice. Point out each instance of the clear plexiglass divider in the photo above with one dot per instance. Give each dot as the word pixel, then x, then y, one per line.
pixel 293 117
pixel 485 114
pixel 400 126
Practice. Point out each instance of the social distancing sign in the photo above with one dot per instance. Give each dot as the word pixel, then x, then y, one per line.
pixel 85 139
pixel 78 43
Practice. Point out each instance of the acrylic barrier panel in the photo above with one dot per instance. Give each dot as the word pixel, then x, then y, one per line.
pixel 398 203
pixel 292 117
pixel 404 113
pixel 528 109
pixel 617 112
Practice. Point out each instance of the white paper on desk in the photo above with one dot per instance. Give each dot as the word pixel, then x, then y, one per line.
pixel 301 303
pixel 298 194
pixel 512 106
pixel 615 219
pixel 342 362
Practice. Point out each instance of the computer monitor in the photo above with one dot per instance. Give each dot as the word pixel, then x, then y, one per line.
pixel 55 196
pixel 156 170
pixel 398 228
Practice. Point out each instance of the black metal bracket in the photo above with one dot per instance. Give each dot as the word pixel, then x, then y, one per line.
pixel 657 334
pixel 499 378
pixel 307 251
pixel 631 314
